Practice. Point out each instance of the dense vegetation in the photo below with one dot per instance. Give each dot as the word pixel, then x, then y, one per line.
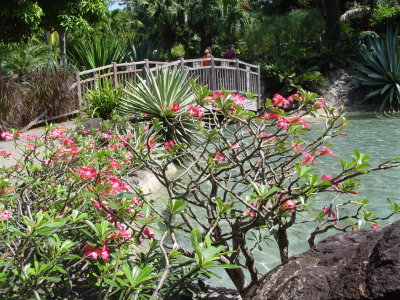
pixel 74 223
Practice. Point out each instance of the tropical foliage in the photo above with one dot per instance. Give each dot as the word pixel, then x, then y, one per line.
pixel 102 102
pixel 74 224
pixel 168 97
pixel 381 69
pixel 98 52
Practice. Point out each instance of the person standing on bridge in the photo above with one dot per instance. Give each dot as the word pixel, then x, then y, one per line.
pixel 230 54
pixel 207 54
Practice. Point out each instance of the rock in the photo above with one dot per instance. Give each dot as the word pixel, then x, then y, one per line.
pixel 344 89
pixel 147 181
pixel 353 265
pixel 92 124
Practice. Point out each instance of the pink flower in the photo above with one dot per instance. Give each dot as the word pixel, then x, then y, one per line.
pixel 374 226
pixel 237 99
pixel 97 205
pixel 175 107
pixel 122 234
pixel 148 233
pixel 95 252
pixel 326 151
pixel 5 215
pixel 297 148
pixel 327 211
pixel 280 101
pixel 114 163
pixel 219 157
pixel 265 134
pixel 308 158
pixel 7 135
pixel 117 185
pixel 288 205
pixel 57 133
pixel 252 213
pixel 326 177
pixel 284 122
pixel 234 146
pixel 319 104
pixel 271 116
pixel 106 136
pixel 195 110
pixel 31 137
pixel 215 95
pixel 295 97
pixel 168 146
pixel 5 154
pixel 87 173
pixel 31 147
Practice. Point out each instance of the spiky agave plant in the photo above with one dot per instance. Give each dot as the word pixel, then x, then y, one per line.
pixel 381 69
pixel 164 96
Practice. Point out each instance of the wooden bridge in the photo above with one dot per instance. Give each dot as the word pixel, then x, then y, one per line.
pixel 213 73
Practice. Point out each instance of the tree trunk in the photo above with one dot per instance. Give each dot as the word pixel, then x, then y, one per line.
pixel 63 49
pixel 331 10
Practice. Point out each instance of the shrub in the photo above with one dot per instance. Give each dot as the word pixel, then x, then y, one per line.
pixel 45 95
pixel 73 226
pixel 381 69
pixel 102 102
pixel 98 52
pixel 167 96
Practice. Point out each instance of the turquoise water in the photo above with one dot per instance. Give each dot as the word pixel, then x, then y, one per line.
pixel 377 136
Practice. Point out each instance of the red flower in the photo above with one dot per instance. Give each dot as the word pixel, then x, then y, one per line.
pixel 122 234
pixel 326 177
pixel 280 101
pixel 374 226
pixel 5 215
pixel 175 107
pixel 169 145
pixel 95 252
pixel 5 154
pixel 326 151
pixel 308 158
pixel 148 233
pixel 87 173
pixel 7 135
pixel 219 157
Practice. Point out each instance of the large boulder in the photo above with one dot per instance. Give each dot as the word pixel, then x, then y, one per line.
pixel 354 265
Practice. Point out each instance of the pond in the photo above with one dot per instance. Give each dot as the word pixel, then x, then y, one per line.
pixel 370 134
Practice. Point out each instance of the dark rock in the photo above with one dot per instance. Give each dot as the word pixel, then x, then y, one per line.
pixel 343 88
pixel 354 265
pixel 92 124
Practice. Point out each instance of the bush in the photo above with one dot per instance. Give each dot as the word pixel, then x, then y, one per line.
pixel 45 95
pixel 74 226
pixel 381 69
pixel 102 102
pixel 385 15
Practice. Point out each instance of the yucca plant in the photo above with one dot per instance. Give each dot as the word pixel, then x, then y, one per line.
pixel 97 53
pixel 163 96
pixel 381 69
pixel 143 50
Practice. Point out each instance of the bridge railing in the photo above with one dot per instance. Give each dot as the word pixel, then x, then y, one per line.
pixel 214 73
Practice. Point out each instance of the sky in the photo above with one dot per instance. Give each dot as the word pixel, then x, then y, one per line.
pixel 115 5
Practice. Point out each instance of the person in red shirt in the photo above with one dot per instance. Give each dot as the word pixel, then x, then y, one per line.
pixel 230 54
pixel 207 54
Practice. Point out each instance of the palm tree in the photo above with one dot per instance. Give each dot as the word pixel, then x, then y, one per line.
pixel 207 18
pixel 166 18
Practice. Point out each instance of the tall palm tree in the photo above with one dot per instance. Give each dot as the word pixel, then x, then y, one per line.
pixel 208 18
pixel 168 18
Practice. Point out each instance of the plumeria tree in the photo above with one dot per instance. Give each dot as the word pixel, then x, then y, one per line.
pixel 74 225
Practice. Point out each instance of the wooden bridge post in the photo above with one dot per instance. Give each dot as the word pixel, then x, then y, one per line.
pixel 237 77
pixel 182 63
pixel 115 74
pixel 213 77
pixel 147 70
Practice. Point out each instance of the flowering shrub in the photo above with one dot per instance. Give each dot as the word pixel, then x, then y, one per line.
pixel 73 226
